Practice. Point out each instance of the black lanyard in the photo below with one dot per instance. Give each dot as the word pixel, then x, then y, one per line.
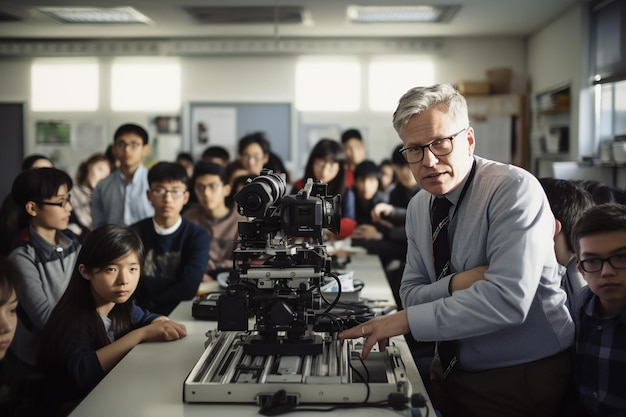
pixel 463 192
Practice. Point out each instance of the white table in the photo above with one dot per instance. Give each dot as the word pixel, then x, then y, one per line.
pixel 149 380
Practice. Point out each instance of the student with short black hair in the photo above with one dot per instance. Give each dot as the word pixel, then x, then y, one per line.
pixel 599 312
pixel 120 198
pixel 44 258
pixel 213 214
pixel 95 324
pixel 254 152
pixel 568 202
pixel 176 250
pixel 217 154
pixel 354 148
pixel 366 190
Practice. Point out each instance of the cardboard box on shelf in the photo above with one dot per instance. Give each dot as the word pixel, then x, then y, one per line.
pixel 505 81
pixel 469 88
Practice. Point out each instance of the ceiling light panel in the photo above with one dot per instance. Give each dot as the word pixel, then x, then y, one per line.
pixel 95 15
pixel 401 14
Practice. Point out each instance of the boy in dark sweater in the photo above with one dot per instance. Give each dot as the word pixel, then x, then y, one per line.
pixel 176 250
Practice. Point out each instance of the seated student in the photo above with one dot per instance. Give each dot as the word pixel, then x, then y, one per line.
pixel 186 161
pixel 366 191
pixel 254 152
pixel 212 214
pixel 176 250
pixel 217 154
pixel 8 324
pixel 96 322
pixel 354 148
pixel 599 312
pixel 387 178
pixel 44 258
pixel 326 163
pixel 10 212
pixel 120 198
pixel 568 203
pixel 90 172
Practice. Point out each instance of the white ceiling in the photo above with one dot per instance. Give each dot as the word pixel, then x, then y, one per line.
pixel 491 18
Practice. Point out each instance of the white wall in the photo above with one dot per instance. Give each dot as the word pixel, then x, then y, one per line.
pixel 265 79
pixel 557 55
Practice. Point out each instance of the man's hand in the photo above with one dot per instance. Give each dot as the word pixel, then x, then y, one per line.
pixel 378 330
pixel 465 279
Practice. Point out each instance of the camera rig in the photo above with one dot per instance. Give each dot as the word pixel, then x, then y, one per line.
pixel 293 348
pixel 280 265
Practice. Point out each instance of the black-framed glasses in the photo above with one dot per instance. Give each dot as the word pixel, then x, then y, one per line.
pixel 61 203
pixel 162 192
pixel 596 264
pixel 438 147
pixel 132 145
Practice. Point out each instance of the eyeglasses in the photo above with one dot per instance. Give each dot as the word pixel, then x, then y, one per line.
pixel 438 147
pixel 132 145
pixel 62 203
pixel 162 192
pixel 201 188
pixel 596 264
pixel 252 157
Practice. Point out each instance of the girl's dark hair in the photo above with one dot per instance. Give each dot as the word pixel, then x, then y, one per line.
pixel 83 170
pixel 75 315
pixel 37 185
pixel 8 276
pixel 28 162
pixel 328 150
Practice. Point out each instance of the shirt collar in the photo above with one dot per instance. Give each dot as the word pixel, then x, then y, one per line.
pixel 167 231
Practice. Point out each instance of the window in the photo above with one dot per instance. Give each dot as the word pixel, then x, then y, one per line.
pixel 145 85
pixel 390 79
pixel 67 85
pixel 328 86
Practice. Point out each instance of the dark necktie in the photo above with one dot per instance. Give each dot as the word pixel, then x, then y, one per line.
pixel 440 218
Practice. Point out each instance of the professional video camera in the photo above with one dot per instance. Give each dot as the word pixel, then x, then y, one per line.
pixel 280 265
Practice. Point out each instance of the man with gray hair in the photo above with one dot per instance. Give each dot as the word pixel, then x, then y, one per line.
pixel 481 277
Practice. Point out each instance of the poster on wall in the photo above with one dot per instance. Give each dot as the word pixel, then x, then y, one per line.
pixel 88 136
pixel 213 126
pixel 52 132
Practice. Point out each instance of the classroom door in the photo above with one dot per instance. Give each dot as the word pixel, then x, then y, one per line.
pixel 11 143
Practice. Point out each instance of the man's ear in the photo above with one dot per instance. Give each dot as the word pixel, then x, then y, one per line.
pixel 146 149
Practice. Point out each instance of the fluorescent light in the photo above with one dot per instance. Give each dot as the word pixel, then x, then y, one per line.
pixel 116 15
pixel 400 14
pixel 64 86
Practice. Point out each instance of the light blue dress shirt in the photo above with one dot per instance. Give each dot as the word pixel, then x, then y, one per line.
pixel 517 314
pixel 114 201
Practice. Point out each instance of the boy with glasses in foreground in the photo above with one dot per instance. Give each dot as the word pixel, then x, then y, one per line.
pixel 176 250
pixel 599 312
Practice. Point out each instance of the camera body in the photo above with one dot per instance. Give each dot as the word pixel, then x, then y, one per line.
pixel 280 264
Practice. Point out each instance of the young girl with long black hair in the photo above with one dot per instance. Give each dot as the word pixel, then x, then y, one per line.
pixel 96 323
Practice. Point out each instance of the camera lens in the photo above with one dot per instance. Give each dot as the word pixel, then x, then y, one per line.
pixel 264 191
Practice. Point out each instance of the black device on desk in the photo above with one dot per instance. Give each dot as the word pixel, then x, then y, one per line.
pixel 205 306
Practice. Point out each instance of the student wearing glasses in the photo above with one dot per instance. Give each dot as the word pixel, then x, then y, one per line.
pixel 120 198
pixel 493 302
pixel 599 311
pixel 176 251
pixel 44 258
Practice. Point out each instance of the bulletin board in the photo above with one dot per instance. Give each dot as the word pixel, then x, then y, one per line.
pixel 225 123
